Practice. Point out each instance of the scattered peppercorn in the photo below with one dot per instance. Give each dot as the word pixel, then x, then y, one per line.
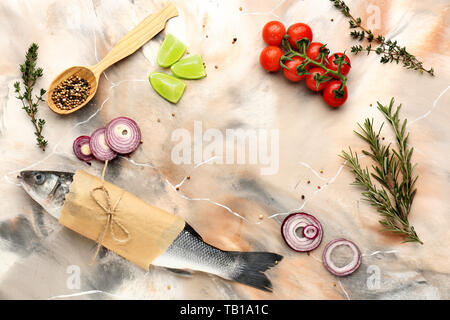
pixel 321 171
pixel 177 188
pixel 216 66
pixel 159 120
pixel 309 182
pixel 188 177
pixel 173 114
pixel 71 93
pixel 332 20
pixel 303 197
pixel 234 40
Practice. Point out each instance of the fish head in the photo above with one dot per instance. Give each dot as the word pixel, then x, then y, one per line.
pixel 48 188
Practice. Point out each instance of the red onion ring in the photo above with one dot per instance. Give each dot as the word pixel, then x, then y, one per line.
pixel 310 231
pixel 99 148
pixel 81 148
pixel 347 269
pixel 295 221
pixel 123 135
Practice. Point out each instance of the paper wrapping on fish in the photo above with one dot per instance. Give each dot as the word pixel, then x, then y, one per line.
pixel 148 230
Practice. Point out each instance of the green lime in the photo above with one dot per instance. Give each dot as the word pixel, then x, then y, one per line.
pixel 189 68
pixel 168 87
pixel 170 51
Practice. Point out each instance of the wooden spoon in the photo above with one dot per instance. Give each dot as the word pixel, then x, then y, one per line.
pixel 131 42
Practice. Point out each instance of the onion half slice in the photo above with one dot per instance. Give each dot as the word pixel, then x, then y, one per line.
pixel 347 269
pixel 99 148
pixel 123 135
pixel 81 148
pixel 295 221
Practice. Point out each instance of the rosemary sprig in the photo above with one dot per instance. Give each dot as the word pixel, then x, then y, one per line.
pixel 389 50
pixel 393 170
pixel 30 74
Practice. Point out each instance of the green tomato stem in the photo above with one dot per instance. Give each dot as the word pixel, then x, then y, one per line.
pixel 291 53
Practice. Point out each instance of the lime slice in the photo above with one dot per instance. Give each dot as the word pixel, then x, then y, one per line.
pixel 168 87
pixel 189 68
pixel 171 51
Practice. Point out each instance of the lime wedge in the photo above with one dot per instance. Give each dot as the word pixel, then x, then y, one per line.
pixel 189 68
pixel 170 51
pixel 168 87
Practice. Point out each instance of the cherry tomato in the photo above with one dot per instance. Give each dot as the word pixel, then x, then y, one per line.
pixel 297 32
pixel 291 74
pixel 345 68
pixel 273 33
pixel 311 83
pixel 313 51
pixel 328 94
pixel 270 58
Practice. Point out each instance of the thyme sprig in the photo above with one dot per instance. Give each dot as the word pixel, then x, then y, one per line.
pixel 30 74
pixel 393 170
pixel 300 51
pixel 389 50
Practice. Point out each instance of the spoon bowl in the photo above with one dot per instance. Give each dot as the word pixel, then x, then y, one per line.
pixel 131 42
pixel 82 72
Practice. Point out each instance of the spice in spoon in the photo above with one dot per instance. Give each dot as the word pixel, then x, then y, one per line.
pixel 71 93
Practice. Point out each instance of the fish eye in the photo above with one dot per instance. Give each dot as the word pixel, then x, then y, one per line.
pixel 39 178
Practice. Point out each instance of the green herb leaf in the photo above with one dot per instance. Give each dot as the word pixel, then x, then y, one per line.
pixel 394 198
pixel 390 50
pixel 30 75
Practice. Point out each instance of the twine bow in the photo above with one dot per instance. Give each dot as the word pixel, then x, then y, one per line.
pixel 110 216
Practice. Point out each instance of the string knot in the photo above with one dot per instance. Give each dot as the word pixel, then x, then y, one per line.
pixel 111 221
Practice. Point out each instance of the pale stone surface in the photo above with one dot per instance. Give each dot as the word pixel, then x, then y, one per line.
pixel 224 202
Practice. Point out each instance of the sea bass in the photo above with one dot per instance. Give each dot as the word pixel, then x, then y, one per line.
pixel 187 252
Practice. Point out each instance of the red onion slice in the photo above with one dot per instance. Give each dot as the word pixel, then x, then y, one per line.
pixel 99 148
pixel 347 269
pixel 310 232
pixel 123 135
pixel 81 148
pixel 295 221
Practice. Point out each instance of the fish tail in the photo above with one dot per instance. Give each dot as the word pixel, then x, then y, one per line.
pixel 250 267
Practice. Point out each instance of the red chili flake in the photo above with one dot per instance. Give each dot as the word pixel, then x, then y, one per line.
pixel 318 187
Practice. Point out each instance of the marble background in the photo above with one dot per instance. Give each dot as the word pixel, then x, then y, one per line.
pixel 224 202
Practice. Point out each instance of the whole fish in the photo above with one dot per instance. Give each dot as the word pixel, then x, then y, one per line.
pixel 187 252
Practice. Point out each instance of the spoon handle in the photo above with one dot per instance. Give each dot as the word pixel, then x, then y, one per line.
pixel 136 38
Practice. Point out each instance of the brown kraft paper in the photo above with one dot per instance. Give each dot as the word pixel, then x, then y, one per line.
pixel 148 230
